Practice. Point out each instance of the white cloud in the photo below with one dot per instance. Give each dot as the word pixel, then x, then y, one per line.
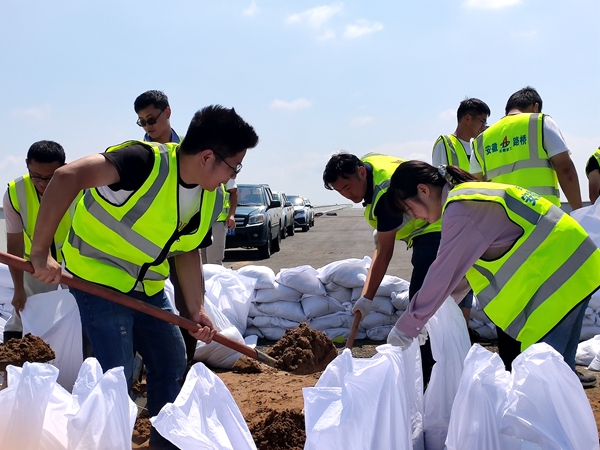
pixel 448 114
pixel 251 10
pixel 296 105
pixel 360 28
pixel 327 35
pixel 9 161
pixel 363 120
pixel 315 17
pixel 490 4
pixel 35 112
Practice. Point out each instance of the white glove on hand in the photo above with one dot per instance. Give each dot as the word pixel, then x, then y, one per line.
pixel 363 305
pixel 399 339
pixel 423 336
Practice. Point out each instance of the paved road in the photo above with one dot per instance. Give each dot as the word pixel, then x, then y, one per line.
pixel 347 235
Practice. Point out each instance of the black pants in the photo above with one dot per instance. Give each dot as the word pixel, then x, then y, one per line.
pixel 508 348
pixel 425 248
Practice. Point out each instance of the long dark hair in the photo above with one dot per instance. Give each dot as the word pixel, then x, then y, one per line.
pixel 409 174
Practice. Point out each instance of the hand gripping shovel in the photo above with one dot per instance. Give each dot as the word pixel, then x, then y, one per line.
pixel 138 305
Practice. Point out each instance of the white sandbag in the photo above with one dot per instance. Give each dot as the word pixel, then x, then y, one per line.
pixel 379 333
pixel 231 294
pixel 589 219
pixel 595 301
pixel 102 415
pixel 5 278
pixel 286 310
pixel 204 415
pixel 251 330
pixel 277 293
pixel 400 300
pixel 215 354
pixel 54 317
pixel 210 270
pixel 587 350
pixel 350 273
pixel 375 319
pixel 24 406
pixel 449 345
pixel 356 293
pixel 264 276
pixel 589 332
pixel 480 401
pixel 340 293
pixel 391 284
pixel 270 321
pixel 485 330
pixel 273 333
pixel 253 311
pixel 317 306
pixel 383 304
pixel 555 419
pixel 335 320
pixel 303 278
pixel 361 404
pixel 589 318
pixel 333 333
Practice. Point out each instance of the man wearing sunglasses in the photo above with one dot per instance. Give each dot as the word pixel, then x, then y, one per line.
pixel 145 202
pixel 154 114
pixel 21 207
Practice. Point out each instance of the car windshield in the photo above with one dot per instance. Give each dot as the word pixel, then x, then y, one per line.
pixel 296 200
pixel 250 196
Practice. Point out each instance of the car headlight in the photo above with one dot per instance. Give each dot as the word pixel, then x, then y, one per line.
pixel 256 219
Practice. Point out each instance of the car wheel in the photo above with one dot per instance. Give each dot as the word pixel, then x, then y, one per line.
pixel 283 232
pixel 264 251
pixel 291 230
pixel 277 241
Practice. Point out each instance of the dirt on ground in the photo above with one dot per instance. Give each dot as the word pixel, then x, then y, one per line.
pixel 30 348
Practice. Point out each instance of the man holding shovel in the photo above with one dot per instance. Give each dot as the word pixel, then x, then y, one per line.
pixel 146 201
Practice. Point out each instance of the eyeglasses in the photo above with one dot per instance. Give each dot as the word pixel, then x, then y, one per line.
pixel 40 179
pixel 143 122
pixel 483 121
pixel 236 169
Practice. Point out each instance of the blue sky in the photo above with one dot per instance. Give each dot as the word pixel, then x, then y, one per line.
pixel 311 77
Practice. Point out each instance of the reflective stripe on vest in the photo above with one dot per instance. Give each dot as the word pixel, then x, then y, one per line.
pixel 456 153
pixel 121 245
pixel 383 169
pixel 226 205
pixel 25 201
pixel 550 269
pixel 511 151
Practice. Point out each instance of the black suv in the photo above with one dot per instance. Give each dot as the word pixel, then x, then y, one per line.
pixel 257 220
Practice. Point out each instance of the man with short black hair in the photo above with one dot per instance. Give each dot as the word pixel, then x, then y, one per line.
pixel 21 206
pixel 145 202
pixel 154 116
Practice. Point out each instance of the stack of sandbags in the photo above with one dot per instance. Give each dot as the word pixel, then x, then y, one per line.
pixel 591 320
pixel 480 322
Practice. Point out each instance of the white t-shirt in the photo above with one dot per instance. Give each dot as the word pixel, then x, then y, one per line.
pixel 439 155
pixel 553 143
pixel 230 185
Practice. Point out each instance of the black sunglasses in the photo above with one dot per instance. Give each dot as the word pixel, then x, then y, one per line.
pixel 143 122
pixel 236 170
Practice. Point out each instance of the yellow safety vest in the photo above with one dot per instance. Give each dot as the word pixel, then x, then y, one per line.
pixel 226 205
pixel 511 151
pixel 383 169
pixel 549 270
pixel 121 245
pixel 456 153
pixel 597 155
pixel 25 200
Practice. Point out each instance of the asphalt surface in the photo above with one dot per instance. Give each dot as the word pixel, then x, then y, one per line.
pixel 333 238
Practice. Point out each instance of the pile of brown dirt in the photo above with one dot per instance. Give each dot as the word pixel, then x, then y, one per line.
pixel 141 430
pixel 31 348
pixel 278 430
pixel 303 350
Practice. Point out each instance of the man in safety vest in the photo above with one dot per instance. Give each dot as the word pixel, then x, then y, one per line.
pixel 21 207
pixel 366 180
pixel 526 148
pixel 455 149
pixel 592 170
pixel 146 201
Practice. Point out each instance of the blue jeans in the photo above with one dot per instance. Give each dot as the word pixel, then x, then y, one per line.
pixel 564 337
pixel 114 330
